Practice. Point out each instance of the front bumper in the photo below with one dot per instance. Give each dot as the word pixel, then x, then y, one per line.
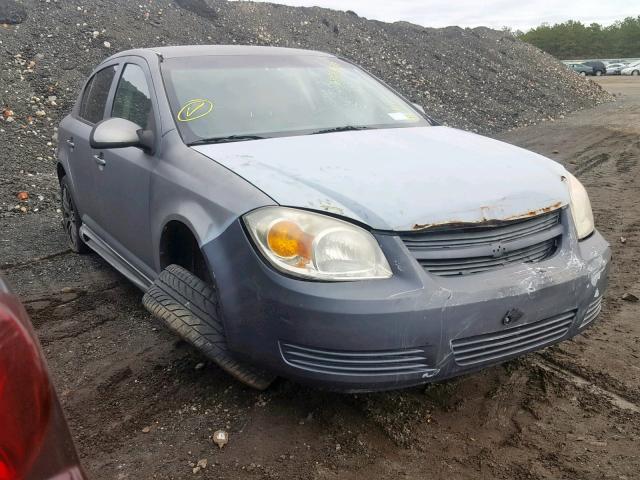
pixel 409 329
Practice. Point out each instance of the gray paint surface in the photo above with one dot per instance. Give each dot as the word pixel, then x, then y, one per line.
pixel 391 179
pixel 399 178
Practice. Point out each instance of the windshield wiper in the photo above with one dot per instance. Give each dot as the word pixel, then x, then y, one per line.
pixel 345 128
pixel 228 138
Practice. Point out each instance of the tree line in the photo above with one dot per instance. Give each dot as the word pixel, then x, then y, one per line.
pixel 573 39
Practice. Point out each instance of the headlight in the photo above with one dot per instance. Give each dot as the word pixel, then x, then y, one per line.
pixel 316 246
pixel 580 207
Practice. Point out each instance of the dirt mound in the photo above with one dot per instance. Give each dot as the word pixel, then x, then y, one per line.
pixel 477 79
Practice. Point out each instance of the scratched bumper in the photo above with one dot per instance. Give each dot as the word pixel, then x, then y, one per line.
pixel 406 330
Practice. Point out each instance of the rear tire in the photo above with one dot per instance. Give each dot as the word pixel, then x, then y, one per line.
pixel 71 219
pixel 635 73
pixel 190 308
pixel 598 73
pixel 583 74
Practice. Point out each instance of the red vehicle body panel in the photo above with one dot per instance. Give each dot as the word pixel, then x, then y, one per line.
pixel 35 442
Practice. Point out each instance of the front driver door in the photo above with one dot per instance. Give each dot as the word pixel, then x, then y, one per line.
pixel 124 174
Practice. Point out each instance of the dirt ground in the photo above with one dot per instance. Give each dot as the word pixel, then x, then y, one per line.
pixel 140 405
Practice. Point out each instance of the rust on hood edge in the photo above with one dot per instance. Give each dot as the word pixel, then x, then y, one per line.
pixel 458 223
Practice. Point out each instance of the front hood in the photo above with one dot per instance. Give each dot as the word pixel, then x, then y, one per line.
pixel 399 178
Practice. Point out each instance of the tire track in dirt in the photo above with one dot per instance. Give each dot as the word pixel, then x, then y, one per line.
pixel 551 365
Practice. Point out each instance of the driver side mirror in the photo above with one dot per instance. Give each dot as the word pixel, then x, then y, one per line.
pixel 120 133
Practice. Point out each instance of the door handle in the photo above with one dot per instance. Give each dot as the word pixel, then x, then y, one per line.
pixel 70 142
pixel 99 160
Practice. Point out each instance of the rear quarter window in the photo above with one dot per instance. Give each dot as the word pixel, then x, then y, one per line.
pixel 95 95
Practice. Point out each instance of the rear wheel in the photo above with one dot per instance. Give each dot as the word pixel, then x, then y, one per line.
pixel 189 307
pixel 583 74
pixel 635 73
pixel 598 73
pixel 71 219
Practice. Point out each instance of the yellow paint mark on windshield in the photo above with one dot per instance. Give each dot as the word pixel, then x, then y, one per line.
pixel 194 109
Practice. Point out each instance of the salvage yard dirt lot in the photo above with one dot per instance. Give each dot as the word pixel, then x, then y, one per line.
pixel 141 404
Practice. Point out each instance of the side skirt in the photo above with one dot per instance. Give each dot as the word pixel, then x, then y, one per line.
pixel 115 259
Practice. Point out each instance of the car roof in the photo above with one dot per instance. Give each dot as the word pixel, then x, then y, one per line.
pixel 218 50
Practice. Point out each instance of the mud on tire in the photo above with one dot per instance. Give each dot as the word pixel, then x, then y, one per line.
pixel 189 307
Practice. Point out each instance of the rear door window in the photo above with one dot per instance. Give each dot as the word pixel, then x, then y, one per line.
pixel 95 95
pixel 132 100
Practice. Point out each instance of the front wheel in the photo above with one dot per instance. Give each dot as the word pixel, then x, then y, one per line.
pixel 189 307
pixel 583 74
pixel 71 219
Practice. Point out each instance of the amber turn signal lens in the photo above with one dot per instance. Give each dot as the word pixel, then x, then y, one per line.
pixel 286 239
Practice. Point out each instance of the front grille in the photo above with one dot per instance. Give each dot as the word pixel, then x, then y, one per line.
pixel 467 250
pixel 497 345
pixel 593 310
pixel 340 362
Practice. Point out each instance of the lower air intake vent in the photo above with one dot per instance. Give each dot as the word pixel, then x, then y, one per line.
pixel 340 362
pixel 592 311
pixel 504 343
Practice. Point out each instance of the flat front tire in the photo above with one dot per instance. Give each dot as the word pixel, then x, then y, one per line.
pixel 70 218
pixel 189 307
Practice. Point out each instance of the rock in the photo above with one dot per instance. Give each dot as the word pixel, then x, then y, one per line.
pixel 202 463
pixel 199 366
pixel 146 429
pixel 23 196
pixel 623 240
pixel 555 151
pixel 40 113
pixel 629 297
pixel 107 44
pixel 220 438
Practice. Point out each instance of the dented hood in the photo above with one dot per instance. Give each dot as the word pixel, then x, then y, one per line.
pixel 399 178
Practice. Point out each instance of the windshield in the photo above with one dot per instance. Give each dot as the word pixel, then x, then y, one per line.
pixel 214 97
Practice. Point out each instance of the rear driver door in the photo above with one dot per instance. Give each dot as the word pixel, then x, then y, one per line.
pixel 74 140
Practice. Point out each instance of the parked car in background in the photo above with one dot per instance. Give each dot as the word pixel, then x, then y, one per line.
pixel 633 69
pixel 615 68
pixel 599 68
pixel 581 68
pixel 35 443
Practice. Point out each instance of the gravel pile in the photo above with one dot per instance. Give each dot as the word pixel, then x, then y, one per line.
pixel 477 79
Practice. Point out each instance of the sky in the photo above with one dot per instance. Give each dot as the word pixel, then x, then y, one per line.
pixel 517 14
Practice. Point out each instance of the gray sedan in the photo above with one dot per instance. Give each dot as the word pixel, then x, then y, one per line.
pixel 289 214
